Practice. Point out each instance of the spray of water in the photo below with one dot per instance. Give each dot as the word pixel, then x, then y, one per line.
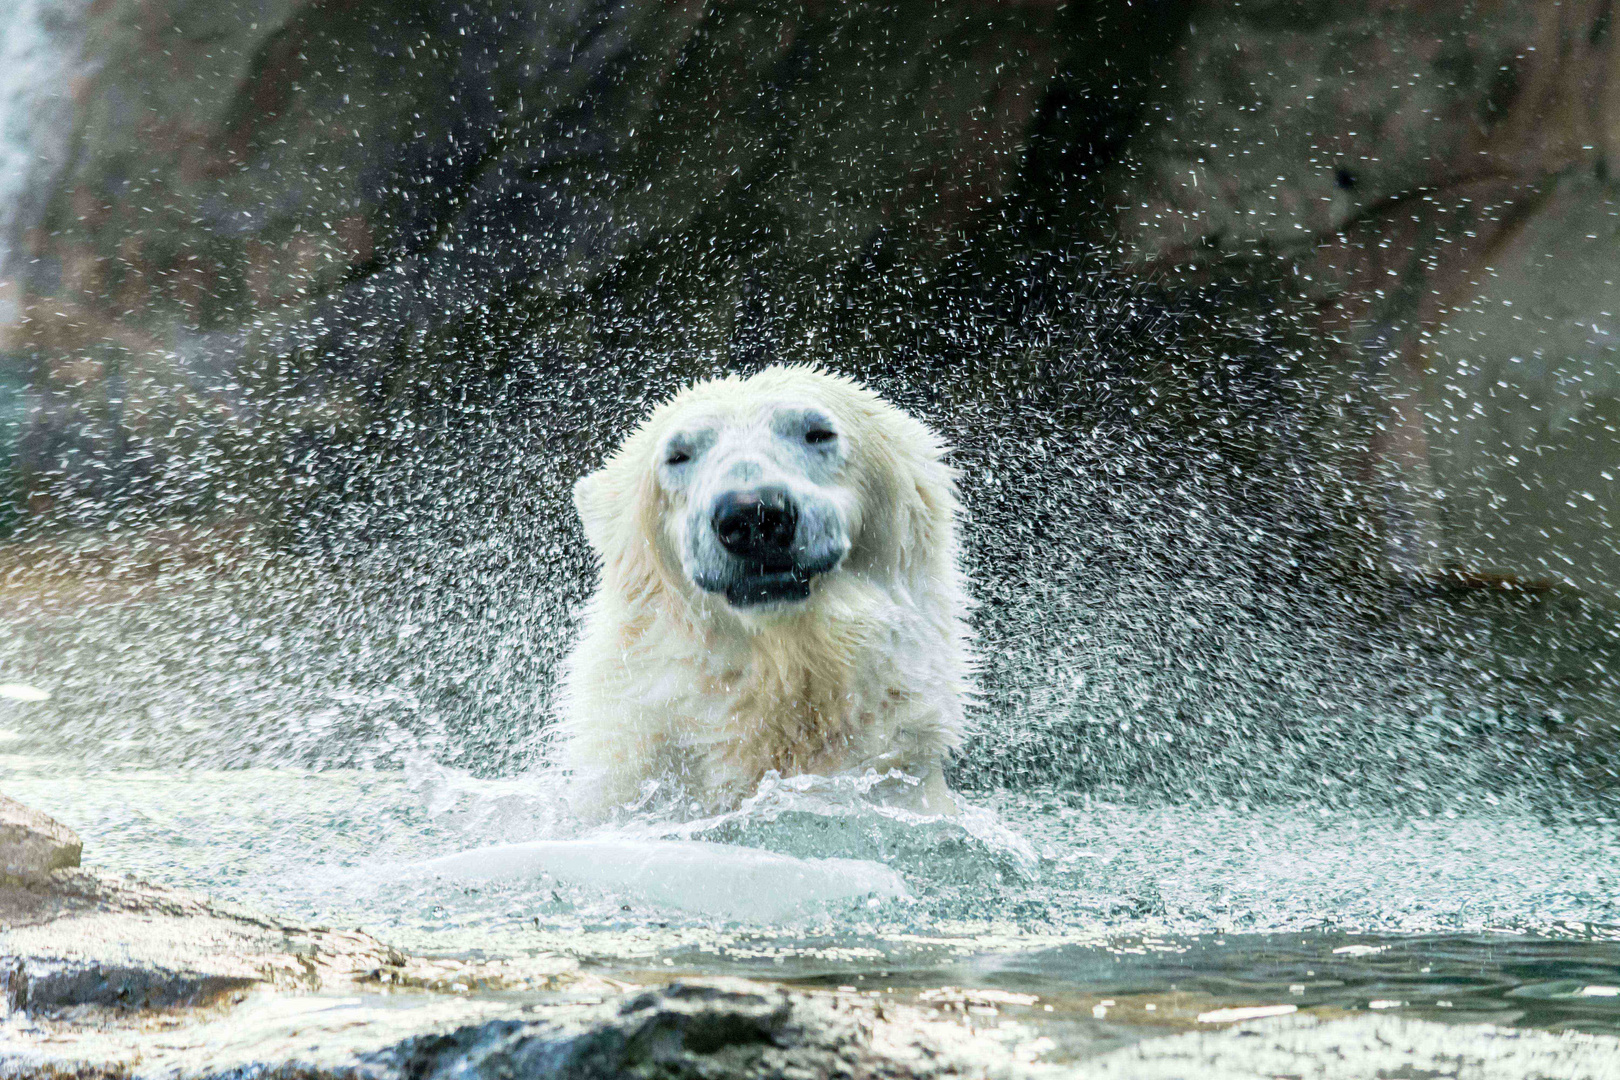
pixel 1181 589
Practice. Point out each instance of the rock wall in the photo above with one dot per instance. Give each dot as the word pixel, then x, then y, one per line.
pixel 252 184
pixel 1436 178
pixel 235 229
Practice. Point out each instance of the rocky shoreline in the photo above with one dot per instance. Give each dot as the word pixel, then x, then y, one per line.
pixel 109 977
pixel 112 977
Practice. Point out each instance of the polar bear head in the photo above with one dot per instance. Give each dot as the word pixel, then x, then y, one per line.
pixel 754 494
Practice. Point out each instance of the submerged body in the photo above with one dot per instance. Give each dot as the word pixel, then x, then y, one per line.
pixel 780 591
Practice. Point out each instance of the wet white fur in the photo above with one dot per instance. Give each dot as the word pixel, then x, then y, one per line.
pixel 669 682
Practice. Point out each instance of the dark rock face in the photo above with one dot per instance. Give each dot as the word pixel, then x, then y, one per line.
pixel 1283 123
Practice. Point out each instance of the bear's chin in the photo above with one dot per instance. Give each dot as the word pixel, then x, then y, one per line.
pixel 788 586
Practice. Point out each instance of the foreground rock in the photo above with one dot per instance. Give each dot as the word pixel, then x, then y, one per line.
pixel 729 1028
pixel 32 843
pixel 717 1028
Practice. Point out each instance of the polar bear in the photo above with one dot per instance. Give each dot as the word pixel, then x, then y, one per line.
pixel 780 589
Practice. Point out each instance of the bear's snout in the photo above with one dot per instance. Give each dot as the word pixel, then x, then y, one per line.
pixel 764 545
pixel 758 526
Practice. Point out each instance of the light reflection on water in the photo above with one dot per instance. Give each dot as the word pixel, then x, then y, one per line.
pixel 1182 908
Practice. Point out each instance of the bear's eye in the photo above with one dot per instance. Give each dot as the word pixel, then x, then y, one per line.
pixel 817 436
pixel 677 457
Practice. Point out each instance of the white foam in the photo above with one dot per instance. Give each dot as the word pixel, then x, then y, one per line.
pixel 741 883
pixel 23 692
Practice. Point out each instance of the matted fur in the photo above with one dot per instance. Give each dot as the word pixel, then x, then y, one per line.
pixel 669 682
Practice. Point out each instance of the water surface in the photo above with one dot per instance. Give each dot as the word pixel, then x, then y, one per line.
pixel 1114 911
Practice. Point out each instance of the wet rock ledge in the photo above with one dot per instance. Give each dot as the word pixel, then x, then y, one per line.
pixel 76 939
pixel 31 843
pixel 711 1030
pixel 107 977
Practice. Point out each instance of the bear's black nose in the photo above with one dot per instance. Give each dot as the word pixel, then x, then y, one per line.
pixel 756 525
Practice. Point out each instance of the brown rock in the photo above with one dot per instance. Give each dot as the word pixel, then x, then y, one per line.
pixel 32 843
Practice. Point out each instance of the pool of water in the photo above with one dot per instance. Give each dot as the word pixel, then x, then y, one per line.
pixel 1126 912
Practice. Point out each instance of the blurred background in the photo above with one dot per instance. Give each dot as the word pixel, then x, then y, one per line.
pixel 1277 342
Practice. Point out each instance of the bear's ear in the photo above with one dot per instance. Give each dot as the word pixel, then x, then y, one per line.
pixel 594 502
pixel 926 503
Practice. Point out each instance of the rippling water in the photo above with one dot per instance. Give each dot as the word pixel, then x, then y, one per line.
pixel 1142 912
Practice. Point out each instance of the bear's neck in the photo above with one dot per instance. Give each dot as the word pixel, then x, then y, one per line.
pixel 797 678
